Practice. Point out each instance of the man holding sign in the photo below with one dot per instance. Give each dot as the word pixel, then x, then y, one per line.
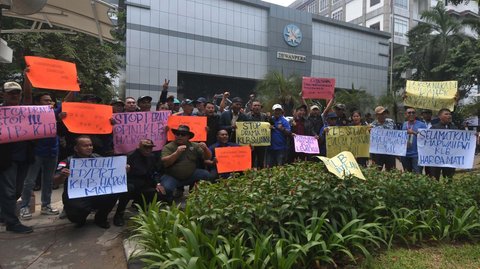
pixel 222 141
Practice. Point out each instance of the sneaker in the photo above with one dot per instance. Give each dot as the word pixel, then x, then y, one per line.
pixel 48 210
pixel 20 229
pixel 25 213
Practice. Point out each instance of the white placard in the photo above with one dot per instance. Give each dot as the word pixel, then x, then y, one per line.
pixel 390 142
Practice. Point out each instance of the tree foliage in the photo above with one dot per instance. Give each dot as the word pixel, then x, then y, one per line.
pixel 96 63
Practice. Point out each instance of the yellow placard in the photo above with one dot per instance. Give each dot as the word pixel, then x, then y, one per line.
pixel 255 133
pixel 433 95
pixel 342 165
pixel 355 139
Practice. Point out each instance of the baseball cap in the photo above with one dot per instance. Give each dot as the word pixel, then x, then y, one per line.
pixel 187 102
pixel 340 106
pixel 201 100
pixel 147 143
pixel 314 107
pixel 176 101
pixel 11 86
pixel 332 115
pixel 277 106
pixel 144 98
pixel 117 101
pixel 380 110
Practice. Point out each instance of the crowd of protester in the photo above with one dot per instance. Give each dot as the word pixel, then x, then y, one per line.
pixel 181 162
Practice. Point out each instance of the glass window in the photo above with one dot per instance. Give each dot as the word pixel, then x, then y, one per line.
pixel 375 26
pixel 313 7
pixel 338 15
pixel 335 1
pixel 323 4
pixel 374 2
pixel 400 27
pixel 401 4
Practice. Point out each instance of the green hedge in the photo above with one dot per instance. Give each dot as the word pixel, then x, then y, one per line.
pixel 301 216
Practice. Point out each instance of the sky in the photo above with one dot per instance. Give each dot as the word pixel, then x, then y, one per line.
pixel 280 2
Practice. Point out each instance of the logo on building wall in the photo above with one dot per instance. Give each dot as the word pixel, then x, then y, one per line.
pixel 292 35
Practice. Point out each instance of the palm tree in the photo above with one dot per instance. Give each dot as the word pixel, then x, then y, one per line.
pixel 275 88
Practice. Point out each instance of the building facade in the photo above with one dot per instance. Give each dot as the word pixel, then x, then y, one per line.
pixel 208 46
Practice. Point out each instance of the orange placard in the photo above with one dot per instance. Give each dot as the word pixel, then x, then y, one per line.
pixel 233 159
pixel 52 74
pixel 197 124
pixel 83 118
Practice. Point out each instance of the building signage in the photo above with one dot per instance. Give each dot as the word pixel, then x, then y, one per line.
pixel 291 57
pixel 292 35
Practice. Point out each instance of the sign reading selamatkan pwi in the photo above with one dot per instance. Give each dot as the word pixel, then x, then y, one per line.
pixel 390 142
pixel 97 176
pixel 446 148
pixel 20 123
pixel 132 127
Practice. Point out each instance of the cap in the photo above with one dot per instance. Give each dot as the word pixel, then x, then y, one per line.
pixel 144 98
pixel 302 106
pixel 332 115
pixel 340 106
pixel 314 107
pixel 11 86
pixel 277 106
pixel 187 102
pixel 380 110
pixel 176 101
pixel 117 101
pixel 426 111
pixel 91 97
pixel 201 100
pixel 147 143
pixel 237 100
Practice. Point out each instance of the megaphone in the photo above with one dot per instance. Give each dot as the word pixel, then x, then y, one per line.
pixel 25 7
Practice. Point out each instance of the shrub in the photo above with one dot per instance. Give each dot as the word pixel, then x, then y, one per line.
pixel 300 216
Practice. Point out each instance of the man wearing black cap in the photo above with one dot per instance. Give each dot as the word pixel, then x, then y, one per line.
pixel 229 118
pixel 180 158
pixel 200 106
pixel 117 105
pixel 187 108
pixel 145 103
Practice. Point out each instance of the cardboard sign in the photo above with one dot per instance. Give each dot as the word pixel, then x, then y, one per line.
pixel 446 148
pixel 83 118
pixel 390 142
pixel 306 144
pixel 342 165
pixel 20 123
pixel 433 95
pixel 97 176
pixel 318 88
pixel 52 74
pixel 197 124
pixel 233 159
pixel 253 133
pixel 355 139
pixel 132 127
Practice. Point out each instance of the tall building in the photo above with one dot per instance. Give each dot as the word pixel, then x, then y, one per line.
pixel 208 46
pixel 377 14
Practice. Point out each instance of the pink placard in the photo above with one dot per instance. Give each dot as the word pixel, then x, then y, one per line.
pixel 20 123
pixel 131 127
pixel 306 144
pixel 318 88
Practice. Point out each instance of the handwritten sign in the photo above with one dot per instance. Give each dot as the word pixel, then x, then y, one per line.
pixel 20 123
pixel 306 144
pixel 132 127
pixel 233 159
pixel 83 118
pixel 197 126
pixel 97 176
pixel 355 139
pixel 390 142
pixel 446 148
pixel 318 88
pixel 342 165
pixel 52 74
pixel 433 95
pixel 253 133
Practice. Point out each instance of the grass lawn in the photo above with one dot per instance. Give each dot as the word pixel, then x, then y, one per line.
pixel 438 257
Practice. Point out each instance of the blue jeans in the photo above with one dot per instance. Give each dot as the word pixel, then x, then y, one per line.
pixel 275 157
pixel 48 166
pixel 170 183
pixel 8 199
pixel 410 164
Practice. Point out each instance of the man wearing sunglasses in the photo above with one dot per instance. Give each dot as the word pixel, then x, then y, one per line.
pixel 410 161
pixel 181 158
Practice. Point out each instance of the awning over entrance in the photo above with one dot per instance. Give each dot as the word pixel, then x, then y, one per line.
pixel 87 16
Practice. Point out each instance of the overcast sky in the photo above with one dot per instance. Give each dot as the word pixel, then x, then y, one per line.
pixel 280 2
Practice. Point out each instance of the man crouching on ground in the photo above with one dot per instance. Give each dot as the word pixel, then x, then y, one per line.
pixel 78 209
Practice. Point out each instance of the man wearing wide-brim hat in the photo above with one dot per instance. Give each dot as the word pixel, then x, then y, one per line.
pixel 180 158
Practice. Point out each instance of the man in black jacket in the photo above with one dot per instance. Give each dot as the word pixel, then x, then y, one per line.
pixel 229 118
pixel 445 117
